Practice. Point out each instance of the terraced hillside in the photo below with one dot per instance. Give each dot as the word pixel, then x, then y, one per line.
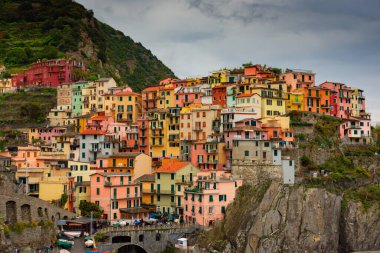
pixel 26 109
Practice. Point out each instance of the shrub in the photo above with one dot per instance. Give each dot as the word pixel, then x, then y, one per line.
pixel 305 161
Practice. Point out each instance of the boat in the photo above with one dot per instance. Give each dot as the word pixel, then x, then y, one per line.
pixel 73 233
pixel 89 243
pixel 64 245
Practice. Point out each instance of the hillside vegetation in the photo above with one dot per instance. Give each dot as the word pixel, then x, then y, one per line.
pixel 26 109
pixel 48 29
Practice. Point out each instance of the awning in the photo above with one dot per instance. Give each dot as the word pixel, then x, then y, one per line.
pixel 133 210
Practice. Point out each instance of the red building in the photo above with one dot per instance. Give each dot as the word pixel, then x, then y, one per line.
pixel 49 73
pixel 219 95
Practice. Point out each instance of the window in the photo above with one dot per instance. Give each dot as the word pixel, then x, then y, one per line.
pixel 269 102
pixel 211 198
pixel 246 153
pixel 158 175
pixel 97 191
pixel 97 179
pixel 172 176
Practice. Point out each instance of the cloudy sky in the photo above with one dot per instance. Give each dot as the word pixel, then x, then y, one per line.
pixel 339 40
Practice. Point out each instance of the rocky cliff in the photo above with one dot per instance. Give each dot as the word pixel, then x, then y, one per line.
pixel 295 219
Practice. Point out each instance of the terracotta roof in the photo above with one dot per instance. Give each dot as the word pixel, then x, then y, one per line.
pixel 172 167
pixel 90 132
pixel 100 117
pixel 246 95
pixel 122 93
pixel 152 88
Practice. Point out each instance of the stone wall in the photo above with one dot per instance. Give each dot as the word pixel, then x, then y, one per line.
pixel 35 217
pixel 151 240
pixel 254 172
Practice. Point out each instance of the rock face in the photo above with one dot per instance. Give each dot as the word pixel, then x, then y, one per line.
pixel 360 229
pixel 295 220
pixel 299 219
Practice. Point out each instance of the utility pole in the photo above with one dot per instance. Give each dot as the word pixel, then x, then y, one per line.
pixel 92 214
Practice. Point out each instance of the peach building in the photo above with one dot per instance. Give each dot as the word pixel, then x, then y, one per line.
pixel 298 78
pixel 117 195
pixel 205 202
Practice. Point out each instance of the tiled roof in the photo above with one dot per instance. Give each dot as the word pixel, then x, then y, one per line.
pixel 172 167
pixel 152 88
pixel 122 93
pixel 246 95
pixel 90 132
pixel 146 178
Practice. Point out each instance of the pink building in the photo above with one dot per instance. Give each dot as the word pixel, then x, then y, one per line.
pixel 342 101
pixel 99 122
pixel 47 134
pixel 355 131
pixel 117 195
pixel 184 96
pixel 206 201
pixel 49 73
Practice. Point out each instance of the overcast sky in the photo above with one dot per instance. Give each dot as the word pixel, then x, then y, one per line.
pixel 338 39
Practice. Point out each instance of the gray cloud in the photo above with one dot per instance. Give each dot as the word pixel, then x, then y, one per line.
pixel 339 40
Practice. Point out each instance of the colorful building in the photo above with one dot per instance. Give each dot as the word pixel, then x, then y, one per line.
pixel 117 195
pixel 168 195
pixel 205 202
pixel 49 73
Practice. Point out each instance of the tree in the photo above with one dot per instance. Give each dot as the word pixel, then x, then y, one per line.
pixel 87 207
pixel 247 64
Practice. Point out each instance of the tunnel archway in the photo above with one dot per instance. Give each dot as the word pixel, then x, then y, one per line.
pixel 131 248
pixel 121 239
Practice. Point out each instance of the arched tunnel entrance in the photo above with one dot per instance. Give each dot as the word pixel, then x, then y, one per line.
pixel 131 248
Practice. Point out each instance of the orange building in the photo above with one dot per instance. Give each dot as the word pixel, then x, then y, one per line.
pixel 316 99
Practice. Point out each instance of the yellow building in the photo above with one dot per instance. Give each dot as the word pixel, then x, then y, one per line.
pixel 89 99
pixel 137 164
pixel 148 191
pixel 33 135
pixel 168 189
pixel 52 186
pixel 81 172
pixel 357 103
pixel 295 101
pixel 128 106
pixel 164 125
pixel 273 102
pixel 109 101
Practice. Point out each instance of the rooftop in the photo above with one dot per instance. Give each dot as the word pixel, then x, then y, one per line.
pixel 172 167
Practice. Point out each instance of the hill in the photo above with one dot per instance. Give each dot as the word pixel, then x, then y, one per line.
pixel 48 29
pixel 26 109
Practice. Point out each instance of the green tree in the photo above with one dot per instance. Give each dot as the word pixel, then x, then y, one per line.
pixel 87 207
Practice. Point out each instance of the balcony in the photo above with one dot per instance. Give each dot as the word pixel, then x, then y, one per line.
pixel 212 150
pixel 197 128
pixel 95 149
pixel 250 138
pixel 325 106
pixel 148 191
pixel 74 146
pixel 157 144
pixel 165 192
pixel 212 162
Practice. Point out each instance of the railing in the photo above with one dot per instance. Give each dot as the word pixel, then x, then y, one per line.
pixel 145 228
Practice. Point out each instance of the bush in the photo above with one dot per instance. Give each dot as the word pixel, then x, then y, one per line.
pixel 305 161
pixel 101 237
pixel 7 231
